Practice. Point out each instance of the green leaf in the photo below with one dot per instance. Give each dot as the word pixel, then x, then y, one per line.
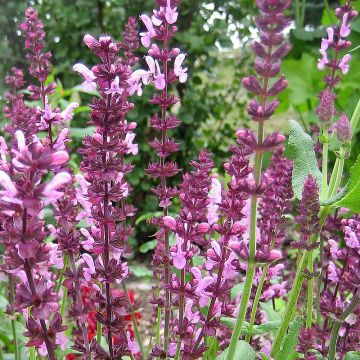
pixel 336 197
pixel 290 340
pixel 79 133
pixel 351 200
pixel 147 216
pixel 149 245
pixel 352 355
pixel 257 329
pixel 212 344
pixel 300 150
pixel 243 352
pixel 140 271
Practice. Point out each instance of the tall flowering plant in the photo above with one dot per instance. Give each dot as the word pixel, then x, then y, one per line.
pixel 104 185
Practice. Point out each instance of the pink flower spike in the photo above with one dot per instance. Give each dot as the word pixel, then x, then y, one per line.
pixel 180 72
pixel 59 157
pixel 171 15
pixel 88 84
pixel 343 65
pixel 345 29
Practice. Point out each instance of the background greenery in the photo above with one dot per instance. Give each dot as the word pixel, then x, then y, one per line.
pixel 216 36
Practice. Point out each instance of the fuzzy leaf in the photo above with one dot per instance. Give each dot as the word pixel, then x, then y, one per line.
pixel 243 352
pixel 351 200
pixel 300 150
pixel 352 355
pixel 290 340
pixel 334 199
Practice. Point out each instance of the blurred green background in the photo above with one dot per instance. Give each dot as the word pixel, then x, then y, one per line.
pixel 216 36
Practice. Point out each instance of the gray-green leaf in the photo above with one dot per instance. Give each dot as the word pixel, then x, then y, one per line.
pixel 301 151
pixel 352 355
pixel 351 200
pixel 243 352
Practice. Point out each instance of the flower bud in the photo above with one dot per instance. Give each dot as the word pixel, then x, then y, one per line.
pixel 169 222
pixel 343 129
pixel 326 108
pixel 203 228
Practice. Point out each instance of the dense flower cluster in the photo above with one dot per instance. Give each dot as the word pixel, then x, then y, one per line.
pixel 103 185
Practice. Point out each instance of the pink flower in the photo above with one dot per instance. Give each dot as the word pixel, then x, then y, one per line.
pixel 343 64
pixel 193 317
pixel 178 254
pixel 180 72
pixel 170 222
pixel 132 148
pixel 345 29
pixel 51 192
pixel 132 344
pixel 323 61
pixel 149 34
pixel 7 184
pixel 326 42
pixel 203 283
pixel 351 239
pixel 88 84
pixel 90 269
pixel 115 87
pixel 67 114
pixel 59 157
pixel 171 15
pixel 154 74
pixel 87 244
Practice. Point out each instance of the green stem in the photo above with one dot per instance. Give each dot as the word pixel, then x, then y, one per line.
pixel 32 349
pixel 63 302
pixel 324 168
pixel 98 332
pixel 133 320
pixel 243 308
pixel 178 348
pixel 13 318
pixel 303 9
pixel 245 296
pixel 292 301
pixel 310 292
pixel 256 301
pixel 337 324
pixel 61 275
pixel 158 325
